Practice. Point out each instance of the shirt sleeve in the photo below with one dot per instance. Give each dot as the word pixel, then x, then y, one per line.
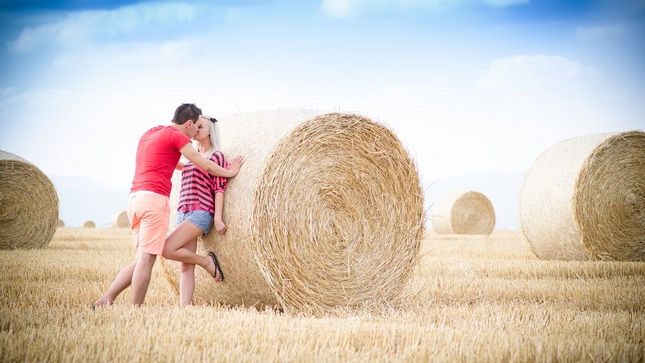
pixel 179 139
pixel 219 183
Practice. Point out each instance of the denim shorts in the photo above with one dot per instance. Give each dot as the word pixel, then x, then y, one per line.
pixel 200 218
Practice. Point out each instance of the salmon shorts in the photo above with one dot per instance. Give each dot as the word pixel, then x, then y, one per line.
pixel 149 215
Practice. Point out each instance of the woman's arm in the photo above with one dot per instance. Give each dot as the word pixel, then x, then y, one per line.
pixel 220 227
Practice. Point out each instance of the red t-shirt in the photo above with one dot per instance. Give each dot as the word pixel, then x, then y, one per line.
pixel 157 156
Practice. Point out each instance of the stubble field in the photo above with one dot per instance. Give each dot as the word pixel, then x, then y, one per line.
pixel 472 299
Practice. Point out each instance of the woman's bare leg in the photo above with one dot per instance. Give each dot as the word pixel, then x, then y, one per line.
pixel 175 247
pixel 187 278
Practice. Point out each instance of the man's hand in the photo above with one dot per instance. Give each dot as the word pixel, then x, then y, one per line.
pixel 236 164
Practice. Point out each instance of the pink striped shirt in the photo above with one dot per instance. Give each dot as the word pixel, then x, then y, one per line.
pixel 198 187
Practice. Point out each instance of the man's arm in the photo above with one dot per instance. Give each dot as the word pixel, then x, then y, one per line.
pixel 209 166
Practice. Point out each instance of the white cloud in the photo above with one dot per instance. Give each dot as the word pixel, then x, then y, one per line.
pixel 31 38
pixel 340 8
pixel 348 8
pixel 504 3
pixel 7 91
pixel 601 32
pixel 77 29
pixel 526 72
pixel 134 55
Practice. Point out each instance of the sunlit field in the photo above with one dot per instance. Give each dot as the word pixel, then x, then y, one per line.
pixel 472 299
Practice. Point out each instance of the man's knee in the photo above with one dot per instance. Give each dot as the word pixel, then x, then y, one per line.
pixel 146 258
pixel 187 267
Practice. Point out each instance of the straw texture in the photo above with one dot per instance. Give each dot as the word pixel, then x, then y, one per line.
pixel 28 204
pixel 584 198
pixel 460 212
pixel 327 212
pixel 89 224
pixel 121 220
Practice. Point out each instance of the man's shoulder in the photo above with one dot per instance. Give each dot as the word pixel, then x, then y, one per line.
pixel 166 129
pixel 155 129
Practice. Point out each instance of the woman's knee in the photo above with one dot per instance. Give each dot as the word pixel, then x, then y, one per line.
pixel 168 252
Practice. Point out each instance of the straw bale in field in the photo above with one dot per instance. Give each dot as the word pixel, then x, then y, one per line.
pixel 327 211
pixel 28 204
pixel 121 220
pixel 89 224
pixel 584 198
pixel 460 212
pixel 61 223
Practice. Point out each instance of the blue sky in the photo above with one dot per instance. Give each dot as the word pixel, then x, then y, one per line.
pixel 468 85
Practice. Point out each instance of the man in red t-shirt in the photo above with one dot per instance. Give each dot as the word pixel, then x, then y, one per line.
pixel 157 156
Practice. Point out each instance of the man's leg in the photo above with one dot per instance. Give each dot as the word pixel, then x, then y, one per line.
pixel 141 277
pixel 154 210
pixel 121 282
pixel 124 278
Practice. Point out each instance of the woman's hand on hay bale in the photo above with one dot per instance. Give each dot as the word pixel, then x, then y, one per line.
pixel 236 164
pixel 220 227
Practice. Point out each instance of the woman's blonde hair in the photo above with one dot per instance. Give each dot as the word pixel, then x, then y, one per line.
pixel 214 132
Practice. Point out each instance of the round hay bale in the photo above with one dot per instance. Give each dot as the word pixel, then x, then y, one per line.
pixel 89 224
pixel 584 198
pixel 459 212
pixel 28 204
pixel 327 212
pixel 61 223
pixel 121 220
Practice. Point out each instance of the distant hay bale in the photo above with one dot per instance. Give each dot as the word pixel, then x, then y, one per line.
pixel 121 220
pixel 61 223
pixel 460 212
pixel 584 198
pixel 28 204
pixel 89 224
pixel 327 212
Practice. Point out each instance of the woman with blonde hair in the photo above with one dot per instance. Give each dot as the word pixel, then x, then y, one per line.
pixel 201 201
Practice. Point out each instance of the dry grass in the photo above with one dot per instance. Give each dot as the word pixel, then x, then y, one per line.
pixel 89 224
pixel 323 204
pixel 584 198
pixel 121 220
pixel 472 298
pixel 463 212
pixel 28 204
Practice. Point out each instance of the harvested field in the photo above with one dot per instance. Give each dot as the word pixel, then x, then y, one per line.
pixel 471 298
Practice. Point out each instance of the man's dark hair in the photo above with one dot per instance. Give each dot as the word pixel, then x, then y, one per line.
pixel 185 112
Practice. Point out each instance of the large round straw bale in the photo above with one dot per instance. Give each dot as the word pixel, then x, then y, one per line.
pixel 89 224
pixel 459 212
pixel 121 220
pixel 326 212
pixel 584 198
pixel 28 204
